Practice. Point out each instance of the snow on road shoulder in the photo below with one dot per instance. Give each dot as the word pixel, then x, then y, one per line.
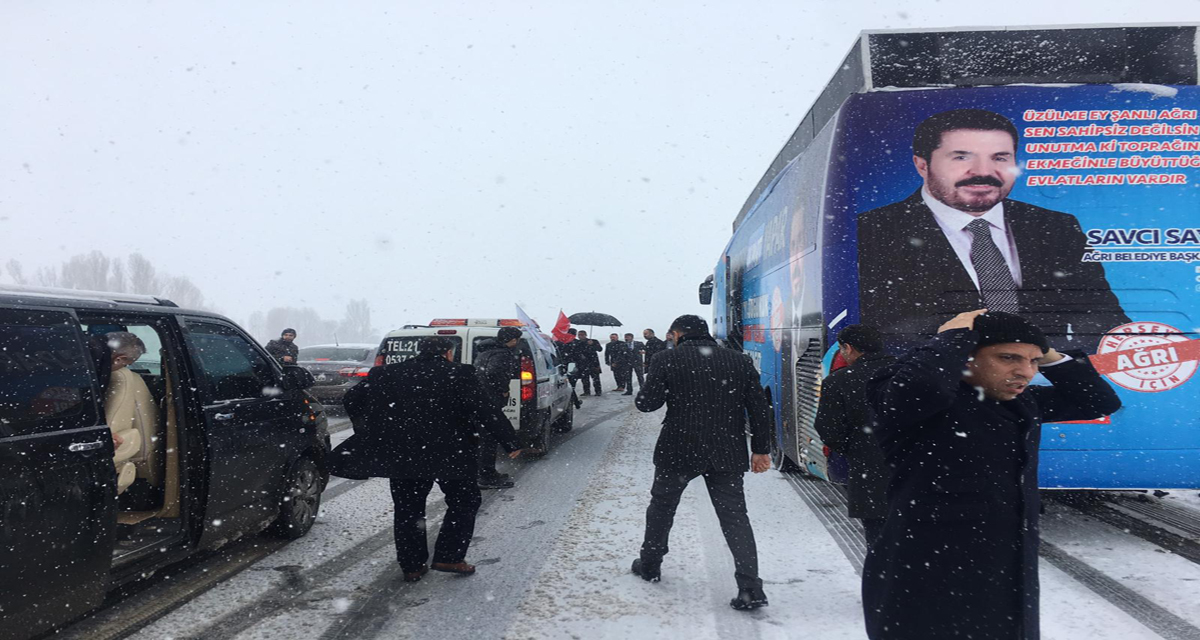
pixel 586 589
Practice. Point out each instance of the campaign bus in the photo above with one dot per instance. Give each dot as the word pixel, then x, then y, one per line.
pixel 1078 147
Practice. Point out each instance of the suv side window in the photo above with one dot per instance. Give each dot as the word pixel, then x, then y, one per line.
pixel 233 368
pixel 46 381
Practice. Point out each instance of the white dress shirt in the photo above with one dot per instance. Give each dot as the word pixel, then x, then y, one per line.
pixel 954 225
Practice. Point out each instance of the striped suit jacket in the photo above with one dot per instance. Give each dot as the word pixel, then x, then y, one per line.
pixel 711 394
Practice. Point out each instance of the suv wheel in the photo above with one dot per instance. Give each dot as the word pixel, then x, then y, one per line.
pixel 541 442
pixel 301 500
pixel 566 421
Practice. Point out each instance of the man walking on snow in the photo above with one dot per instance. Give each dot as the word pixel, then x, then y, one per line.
pixel 960 426
pixel 709 392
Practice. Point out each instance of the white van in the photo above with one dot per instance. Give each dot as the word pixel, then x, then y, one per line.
pixel 540 400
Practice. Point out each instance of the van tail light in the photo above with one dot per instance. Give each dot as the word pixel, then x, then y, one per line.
pixel 379 360
pixel 527 383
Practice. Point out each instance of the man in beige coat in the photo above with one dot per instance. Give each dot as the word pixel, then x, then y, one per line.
pixel 130 410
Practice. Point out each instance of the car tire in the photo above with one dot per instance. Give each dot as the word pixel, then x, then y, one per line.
pixel 301 500
pixel 541 441
pixel 566 421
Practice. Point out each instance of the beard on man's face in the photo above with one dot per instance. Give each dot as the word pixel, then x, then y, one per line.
pixel 975 194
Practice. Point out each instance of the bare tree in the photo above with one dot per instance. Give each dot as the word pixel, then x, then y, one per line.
pixel 356 326
pixel 142 275
pixel 96 271
pixel 16 273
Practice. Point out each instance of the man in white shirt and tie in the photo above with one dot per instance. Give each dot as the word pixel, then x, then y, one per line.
pixel 960 242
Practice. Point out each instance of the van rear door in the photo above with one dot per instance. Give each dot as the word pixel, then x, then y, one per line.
pixel 57 481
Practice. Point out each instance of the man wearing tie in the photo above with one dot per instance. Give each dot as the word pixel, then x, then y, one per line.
pixel 959 242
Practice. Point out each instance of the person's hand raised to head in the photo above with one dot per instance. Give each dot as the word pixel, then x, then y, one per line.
pixel 964 320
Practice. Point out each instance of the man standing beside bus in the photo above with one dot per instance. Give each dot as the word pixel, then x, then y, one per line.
pixel 709 392
pixel 843 421
pixel 960 425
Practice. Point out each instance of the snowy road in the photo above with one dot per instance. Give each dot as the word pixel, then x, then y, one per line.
pixel 554 553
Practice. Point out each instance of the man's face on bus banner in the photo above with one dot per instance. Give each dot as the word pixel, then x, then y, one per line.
pixel 971 170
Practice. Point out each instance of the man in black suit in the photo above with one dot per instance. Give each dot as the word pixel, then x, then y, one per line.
pixel 710 392
pixel 638 351
pixel 959 242
pixel 844 423
pixel 654 345
pixel 417 422
pixel 616 356
pixel 587 363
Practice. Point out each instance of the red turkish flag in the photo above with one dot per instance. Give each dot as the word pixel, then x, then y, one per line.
pixel 560 329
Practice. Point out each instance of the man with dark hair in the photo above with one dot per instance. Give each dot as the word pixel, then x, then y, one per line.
pixel 844 424
pixel 617 357
pixel 498 363
pixel 588 362
pixel 959 242
pixel 416 423
pixel 284 349
pixel 710 392
pixel 634 359
pixel 654 345
pixel 960 425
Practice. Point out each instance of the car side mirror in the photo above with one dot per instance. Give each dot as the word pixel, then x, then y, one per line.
pixel 297 377
pixel 706 291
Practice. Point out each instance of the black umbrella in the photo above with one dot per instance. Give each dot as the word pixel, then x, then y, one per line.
pixel 594 319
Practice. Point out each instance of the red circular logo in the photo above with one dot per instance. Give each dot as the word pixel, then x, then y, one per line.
pixel 1147 356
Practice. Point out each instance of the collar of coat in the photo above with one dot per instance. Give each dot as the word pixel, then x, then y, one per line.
pixel 699 338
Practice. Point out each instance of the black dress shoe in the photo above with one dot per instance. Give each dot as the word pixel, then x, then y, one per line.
pixel 499 481
pixel 748 599
pixel 650 572
pixel 627 393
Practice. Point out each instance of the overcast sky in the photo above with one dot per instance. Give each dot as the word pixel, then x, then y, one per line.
pixel 438 158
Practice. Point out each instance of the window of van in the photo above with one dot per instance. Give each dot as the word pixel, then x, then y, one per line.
pixel 46 379
pixel 233 368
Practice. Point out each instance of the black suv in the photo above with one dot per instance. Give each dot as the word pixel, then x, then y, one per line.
pixel 133 433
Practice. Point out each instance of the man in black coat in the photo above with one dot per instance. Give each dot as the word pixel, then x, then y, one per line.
pixel 498 363
pixel 417 422
pixel 960 426
pixel 710 392
pixel 654 345
pixel 843 420
pixel 616 356
pixel 284 349
pixel 636 363
pixel 959 243
pixel 587 361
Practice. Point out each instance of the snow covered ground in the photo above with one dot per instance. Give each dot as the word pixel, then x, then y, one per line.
pixel 554 554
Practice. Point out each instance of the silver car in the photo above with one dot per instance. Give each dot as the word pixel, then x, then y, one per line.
pixel 336 368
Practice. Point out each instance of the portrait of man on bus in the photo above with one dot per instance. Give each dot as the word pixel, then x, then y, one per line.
pixel 960 242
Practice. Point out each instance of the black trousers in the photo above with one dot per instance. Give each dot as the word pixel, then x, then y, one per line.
pixel 486 454
pixel 458 525
pixel 872 527
pixel 589 378
pixel 641 376
pixel 624 377
pixel 728 500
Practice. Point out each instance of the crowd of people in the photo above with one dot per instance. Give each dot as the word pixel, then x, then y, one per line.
pixel 942 444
